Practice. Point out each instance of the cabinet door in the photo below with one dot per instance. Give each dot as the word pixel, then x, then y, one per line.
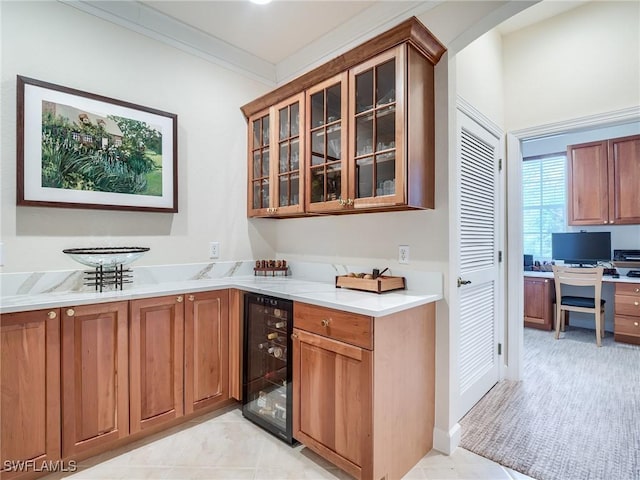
pixel 206 341
pixel 30 389
pixel 624 172
pixel 156 337
pixel 326 167
pixel 259 195
pixel 538 303
pixel 588 195
pixel 377 123
pixel 288 166
pixel 95 376
pixel 332 413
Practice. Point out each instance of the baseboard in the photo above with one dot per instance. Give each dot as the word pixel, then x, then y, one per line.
pixel 446 441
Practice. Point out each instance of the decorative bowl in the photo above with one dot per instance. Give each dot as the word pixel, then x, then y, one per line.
pixel 108 257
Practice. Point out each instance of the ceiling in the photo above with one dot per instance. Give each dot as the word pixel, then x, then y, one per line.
pixel 281 39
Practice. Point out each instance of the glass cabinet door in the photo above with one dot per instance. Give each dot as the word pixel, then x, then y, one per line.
pixel 327 145
pixel 289 184
pixel 259 163
pixel 376 149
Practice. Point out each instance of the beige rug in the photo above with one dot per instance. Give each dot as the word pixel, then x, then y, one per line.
pixel 574 416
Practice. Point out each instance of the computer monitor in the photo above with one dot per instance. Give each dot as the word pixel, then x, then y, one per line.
pixel 584 248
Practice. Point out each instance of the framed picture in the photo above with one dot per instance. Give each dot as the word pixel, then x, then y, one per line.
pixel 82 150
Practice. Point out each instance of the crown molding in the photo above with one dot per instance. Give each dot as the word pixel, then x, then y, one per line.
pixel 151 23
pixel 369 23
pixel 614 117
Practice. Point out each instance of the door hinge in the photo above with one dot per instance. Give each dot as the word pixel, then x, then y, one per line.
pixel 499 349
pixel 499 256
pixel 499 164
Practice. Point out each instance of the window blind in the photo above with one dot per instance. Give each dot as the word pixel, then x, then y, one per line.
pixel 544 203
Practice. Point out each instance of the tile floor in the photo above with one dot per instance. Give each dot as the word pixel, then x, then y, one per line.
pixel 223 445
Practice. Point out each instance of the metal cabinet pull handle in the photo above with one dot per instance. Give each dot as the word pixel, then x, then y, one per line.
pixel 71 312
pixel 463 282
pixel 179 299
pixel 294 336
pixel 52 314
pixel 325 322
pixel 191 298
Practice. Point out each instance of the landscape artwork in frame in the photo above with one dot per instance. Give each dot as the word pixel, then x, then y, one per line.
pixel 81 150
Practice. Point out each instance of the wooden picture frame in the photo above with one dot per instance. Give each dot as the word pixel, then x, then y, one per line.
pixel 81 150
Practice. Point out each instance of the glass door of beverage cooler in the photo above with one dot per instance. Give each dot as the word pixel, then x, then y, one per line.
pixel 266 393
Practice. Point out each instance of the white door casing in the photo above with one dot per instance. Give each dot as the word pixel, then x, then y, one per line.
pixel 479 298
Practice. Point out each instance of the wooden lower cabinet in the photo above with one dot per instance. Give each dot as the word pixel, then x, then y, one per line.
pixel 370 411
pixel 627 313
pixel 95 376
pixel 206 345
pixel 30 391
pixel 156 361
pixel 332 392
pixel 539 295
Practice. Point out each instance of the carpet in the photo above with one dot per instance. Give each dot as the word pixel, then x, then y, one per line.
pixel 574 416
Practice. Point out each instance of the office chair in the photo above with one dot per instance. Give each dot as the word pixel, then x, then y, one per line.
pixel 584 277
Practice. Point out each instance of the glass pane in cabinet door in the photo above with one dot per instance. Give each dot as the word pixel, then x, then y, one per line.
pixel 257 168
pixel 334 179
pixel 364 135
pixel 283 164
pixel 294 186
pixel 317 184
pixel 364 177
pixel 386 83
pixel 386 128
pixel 317 109
pixel 295 119
pixel 334 143
pixel 265 162
pixel 386 174
pixel 334 103
pixel 364 91
pixel 317 147
pixel 265 131
pixel 295 154
pixel 265 193
pixel 284 123
pixel 256 194
pixel 284 193
pixel 256 133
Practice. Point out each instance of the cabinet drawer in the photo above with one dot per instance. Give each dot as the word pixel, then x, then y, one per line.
pixel 627 326
pixel 344 326
pixel 627 305
pixel 632 289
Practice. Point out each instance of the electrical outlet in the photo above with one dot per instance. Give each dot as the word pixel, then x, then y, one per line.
pixel 214 249
pixel 403 254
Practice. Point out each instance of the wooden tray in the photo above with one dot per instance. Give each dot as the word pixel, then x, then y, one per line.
pixel 378 285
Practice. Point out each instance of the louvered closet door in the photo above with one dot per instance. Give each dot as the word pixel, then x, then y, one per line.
pixel 477 294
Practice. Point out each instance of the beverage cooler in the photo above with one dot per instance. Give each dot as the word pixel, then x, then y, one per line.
pixel 266 379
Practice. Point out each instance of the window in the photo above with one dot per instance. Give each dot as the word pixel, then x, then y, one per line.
pixel 544 202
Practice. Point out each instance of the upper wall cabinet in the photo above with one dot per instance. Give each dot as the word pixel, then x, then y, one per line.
pixel 360 135
pixel 603 182
pixel 276 143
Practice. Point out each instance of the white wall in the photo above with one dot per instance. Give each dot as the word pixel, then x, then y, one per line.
pixel 479 76
pixel 59 44
pixel 582 62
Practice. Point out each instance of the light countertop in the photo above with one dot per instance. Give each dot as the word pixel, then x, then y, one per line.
pixel 313 292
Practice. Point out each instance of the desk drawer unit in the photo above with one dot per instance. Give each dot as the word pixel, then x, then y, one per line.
pixel 627 322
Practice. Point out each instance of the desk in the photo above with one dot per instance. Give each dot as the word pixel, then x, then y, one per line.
pixel 622 307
